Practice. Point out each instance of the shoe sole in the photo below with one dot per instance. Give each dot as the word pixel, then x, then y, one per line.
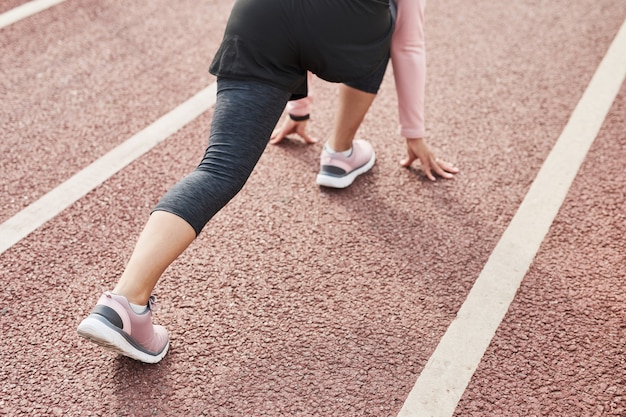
pixel 98 332
pixel 344 181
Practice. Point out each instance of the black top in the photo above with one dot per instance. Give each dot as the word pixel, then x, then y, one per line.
pixel 277 41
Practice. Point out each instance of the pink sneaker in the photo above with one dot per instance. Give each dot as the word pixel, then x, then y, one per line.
pixel 114 325
pixel 338 171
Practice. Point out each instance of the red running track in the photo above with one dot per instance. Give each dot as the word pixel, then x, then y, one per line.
pixel 299 301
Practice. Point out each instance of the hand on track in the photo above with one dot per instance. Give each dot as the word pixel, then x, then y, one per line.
pixel 418 149
pixel 290 127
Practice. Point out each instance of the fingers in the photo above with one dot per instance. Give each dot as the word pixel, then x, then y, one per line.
pixel 406 162
pixel 431 166
pixel 277 136
pixel 410 157
pixel 308 139
pixel 448 167
pixel 428 167
pixel 444 169
pixel 290 127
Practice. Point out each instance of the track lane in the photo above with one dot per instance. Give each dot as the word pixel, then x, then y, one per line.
pixel 560 349
pixel 449 370
pixel 13 12
pixel 67 193
pixel 66 75
pixel 9 5
pixel 293 329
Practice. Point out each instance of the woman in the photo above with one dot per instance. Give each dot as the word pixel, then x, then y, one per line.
pixel 262 62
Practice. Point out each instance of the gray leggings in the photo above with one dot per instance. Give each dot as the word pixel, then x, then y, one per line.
pixel 245 114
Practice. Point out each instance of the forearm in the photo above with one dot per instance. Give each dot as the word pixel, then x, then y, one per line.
pixel 408 55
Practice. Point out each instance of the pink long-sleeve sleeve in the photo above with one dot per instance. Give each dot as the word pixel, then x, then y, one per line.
pixel 408 58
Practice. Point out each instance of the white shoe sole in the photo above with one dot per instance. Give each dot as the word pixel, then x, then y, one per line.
pixel 101 334
pixel 344 181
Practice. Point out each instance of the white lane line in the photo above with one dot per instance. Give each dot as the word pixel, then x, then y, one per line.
pixel 448 371
pixel 55 201
pixel 26 10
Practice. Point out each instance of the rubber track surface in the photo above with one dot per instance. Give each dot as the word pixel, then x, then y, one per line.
pixel 296 300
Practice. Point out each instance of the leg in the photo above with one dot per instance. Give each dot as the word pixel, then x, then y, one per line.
pixel 241 127
pixel 244 116
pixel 353 105
pixel 162 240
pixel 344 158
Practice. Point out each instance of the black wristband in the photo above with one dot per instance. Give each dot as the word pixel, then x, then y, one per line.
pixel 299 118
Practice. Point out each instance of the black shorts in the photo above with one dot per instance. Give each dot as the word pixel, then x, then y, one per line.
pixel 277 41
